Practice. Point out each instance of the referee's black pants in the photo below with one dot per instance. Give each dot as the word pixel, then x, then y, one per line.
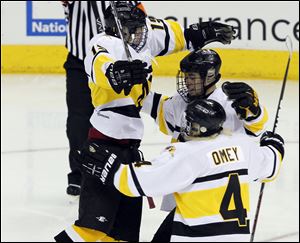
pixel 80 109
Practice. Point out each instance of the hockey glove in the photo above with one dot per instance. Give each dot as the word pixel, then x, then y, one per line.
pixel 273 139
pixel 245 100
pixel 96 161
pixel 122 75
pixel 206 32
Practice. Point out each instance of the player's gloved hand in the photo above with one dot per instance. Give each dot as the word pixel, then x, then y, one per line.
pixel 245 100
pixel 122 75
pixel 206 32
pixel 273 139
pixel 96 161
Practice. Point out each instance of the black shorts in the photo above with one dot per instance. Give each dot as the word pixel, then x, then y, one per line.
pixel 105 209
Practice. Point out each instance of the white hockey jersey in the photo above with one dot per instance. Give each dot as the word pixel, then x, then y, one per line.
pixel 210 180
pixel 117 115
pixel 167 113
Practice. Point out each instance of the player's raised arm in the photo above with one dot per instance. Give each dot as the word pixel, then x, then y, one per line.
pixel 247 106
pixel 199 35
pixel 168 36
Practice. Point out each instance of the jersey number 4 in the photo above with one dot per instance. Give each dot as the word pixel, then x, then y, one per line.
pixel 233 190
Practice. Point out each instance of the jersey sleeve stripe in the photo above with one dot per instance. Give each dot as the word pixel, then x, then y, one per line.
pixel 167 41
pixel 128 110
pixel 178 36
pixel 136 181
pixel 156 99
pixel 98 66
pixel 123 183
pixel 256 126
pixel 177 128
pixel 276 166
pixel 161 118
pixel 171 128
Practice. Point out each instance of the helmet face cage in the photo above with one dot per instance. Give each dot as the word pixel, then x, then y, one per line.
pixel 133 20
pixel 136 37
pixel 190 85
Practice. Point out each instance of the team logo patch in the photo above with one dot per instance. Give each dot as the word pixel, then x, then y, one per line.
pixel 171 150
pixel 101 219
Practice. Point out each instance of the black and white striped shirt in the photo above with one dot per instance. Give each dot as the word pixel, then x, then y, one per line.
pixel 81 25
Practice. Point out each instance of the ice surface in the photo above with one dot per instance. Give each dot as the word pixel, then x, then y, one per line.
pixel 34 161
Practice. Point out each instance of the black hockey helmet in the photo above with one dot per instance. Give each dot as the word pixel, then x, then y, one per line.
pixel 132 16
pixel 199 71
pixel 202 118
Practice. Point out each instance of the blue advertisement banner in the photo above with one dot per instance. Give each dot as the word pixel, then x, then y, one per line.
pixel 43 27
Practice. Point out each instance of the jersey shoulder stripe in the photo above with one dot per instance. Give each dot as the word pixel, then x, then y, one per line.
pixel 220 175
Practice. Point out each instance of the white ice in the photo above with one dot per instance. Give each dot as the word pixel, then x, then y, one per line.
pixel 34 161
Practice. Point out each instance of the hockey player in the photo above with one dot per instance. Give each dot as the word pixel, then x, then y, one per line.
pixel 209 174
pixel 118 88
pixel 197 78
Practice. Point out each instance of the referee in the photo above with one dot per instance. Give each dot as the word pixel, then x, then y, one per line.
pixel 84 20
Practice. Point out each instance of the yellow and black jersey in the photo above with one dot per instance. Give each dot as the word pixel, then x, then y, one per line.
pixel 167 113
pixel 117 115
pixel 210 181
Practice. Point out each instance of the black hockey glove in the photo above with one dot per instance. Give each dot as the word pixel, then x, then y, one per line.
pixel 206 32
pixel 245 100
pixel 96 161
pixel 273 139
pixel 122 75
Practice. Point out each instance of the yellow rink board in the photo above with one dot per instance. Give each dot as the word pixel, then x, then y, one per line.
pixel 237 63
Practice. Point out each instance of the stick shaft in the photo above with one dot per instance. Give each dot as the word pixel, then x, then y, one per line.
pixel 274 128
pixel 120 30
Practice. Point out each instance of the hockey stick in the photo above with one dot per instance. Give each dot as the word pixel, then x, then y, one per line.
pixel 120 30
pixel 99 24
pixel 289 45
pixel 129 57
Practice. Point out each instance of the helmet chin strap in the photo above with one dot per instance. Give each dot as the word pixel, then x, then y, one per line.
pixel 210 90
pixel 211 87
